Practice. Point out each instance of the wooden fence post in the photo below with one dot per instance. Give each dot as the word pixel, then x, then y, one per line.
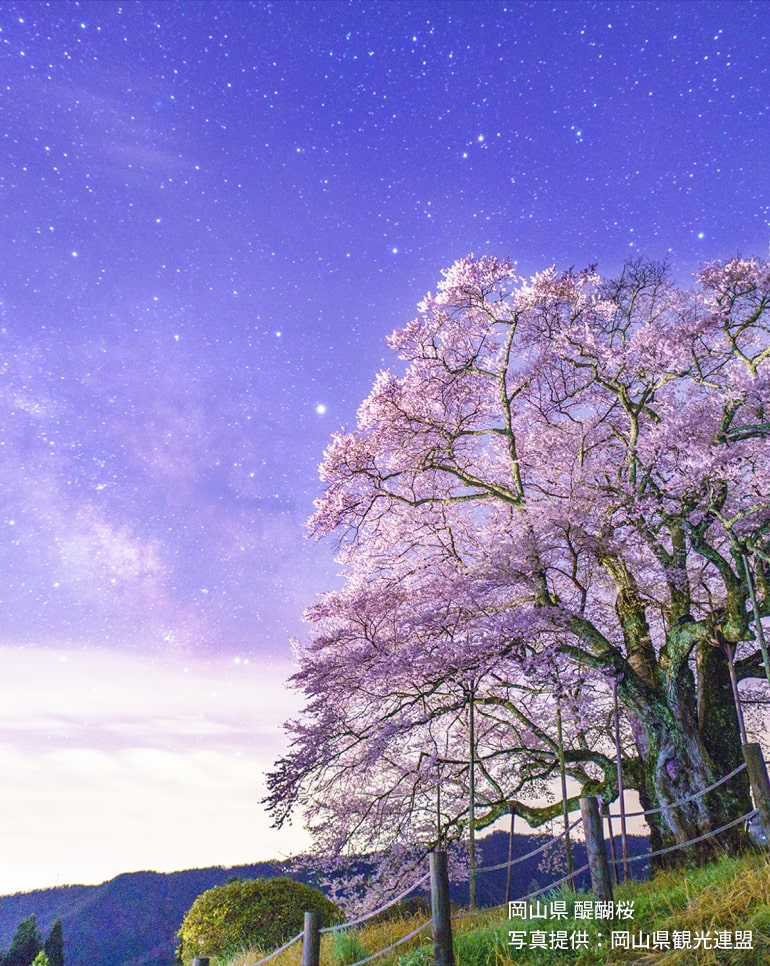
pixel 311 940
pixel 440 910
pixel 760 785
pixel 601 882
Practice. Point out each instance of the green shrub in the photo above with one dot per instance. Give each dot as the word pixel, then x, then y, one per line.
pixel 260 913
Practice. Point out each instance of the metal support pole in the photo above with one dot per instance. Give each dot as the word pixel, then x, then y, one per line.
pixel 472 800
pixel 509 875
pixel 621 790
pixel 564 806
pixel 757 618
pixel 605 810
pixel 760 785
pixel 729 652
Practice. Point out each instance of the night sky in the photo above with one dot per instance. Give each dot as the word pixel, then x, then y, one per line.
pixel 212 215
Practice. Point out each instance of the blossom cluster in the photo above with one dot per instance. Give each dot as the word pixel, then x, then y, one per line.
pixel 550 506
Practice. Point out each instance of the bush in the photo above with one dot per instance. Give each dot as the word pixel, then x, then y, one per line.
pixel 262 913
pixel 347 947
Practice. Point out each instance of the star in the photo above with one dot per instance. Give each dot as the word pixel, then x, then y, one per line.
pixel 150 443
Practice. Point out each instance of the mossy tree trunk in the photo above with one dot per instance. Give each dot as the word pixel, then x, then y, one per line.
pixel 683 718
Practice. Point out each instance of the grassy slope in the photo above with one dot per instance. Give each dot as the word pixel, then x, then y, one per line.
pixel 733 894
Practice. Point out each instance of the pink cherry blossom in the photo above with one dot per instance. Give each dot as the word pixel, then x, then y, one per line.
pixel 556 493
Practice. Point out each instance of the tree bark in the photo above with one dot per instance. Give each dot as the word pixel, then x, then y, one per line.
pixel 678 761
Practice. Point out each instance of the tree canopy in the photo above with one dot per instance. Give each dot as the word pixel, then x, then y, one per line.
pixel 25 945
pixel 559 491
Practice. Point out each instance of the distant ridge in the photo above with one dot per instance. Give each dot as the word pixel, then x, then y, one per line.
pixel 132 920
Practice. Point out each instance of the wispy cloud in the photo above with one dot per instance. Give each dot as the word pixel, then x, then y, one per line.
pixel 115 763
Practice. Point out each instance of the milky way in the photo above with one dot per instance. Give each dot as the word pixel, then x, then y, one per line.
pixel 214 213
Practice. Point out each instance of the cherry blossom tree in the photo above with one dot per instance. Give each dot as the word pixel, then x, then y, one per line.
pixel 557 493
pixel 381 761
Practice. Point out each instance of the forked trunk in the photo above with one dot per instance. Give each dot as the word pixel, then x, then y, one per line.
pixel 680 757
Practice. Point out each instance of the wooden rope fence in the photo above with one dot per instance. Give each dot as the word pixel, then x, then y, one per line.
pixel 699 838
pixel 530 895
pixel 395 945
pixel 760 789
pixel 689 798
pixel 601 880
pixel 541 848
pixel 379 909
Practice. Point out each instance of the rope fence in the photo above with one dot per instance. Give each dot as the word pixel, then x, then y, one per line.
pixel 530 895
pixel 376 912
pixel 540 848
pixel 360 962
pixel 399 942
pixel 276 952
pixel 555 885
pixel 597 865
pixel 626 860
pixel 684 845
pixel 689 798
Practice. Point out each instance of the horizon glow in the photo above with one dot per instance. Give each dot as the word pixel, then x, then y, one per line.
pixel 215 214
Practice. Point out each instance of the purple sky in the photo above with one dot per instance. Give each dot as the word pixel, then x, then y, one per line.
pixel 213 214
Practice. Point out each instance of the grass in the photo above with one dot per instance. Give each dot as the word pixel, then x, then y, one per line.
pixel 337 947
pixel 719 899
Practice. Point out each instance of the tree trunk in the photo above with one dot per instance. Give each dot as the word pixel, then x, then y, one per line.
pixel 679 760
pixel 718 721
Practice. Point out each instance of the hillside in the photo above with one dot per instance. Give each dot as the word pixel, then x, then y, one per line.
pixel 132 920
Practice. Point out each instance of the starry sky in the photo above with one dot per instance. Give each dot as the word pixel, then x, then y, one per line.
pixel 213 213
